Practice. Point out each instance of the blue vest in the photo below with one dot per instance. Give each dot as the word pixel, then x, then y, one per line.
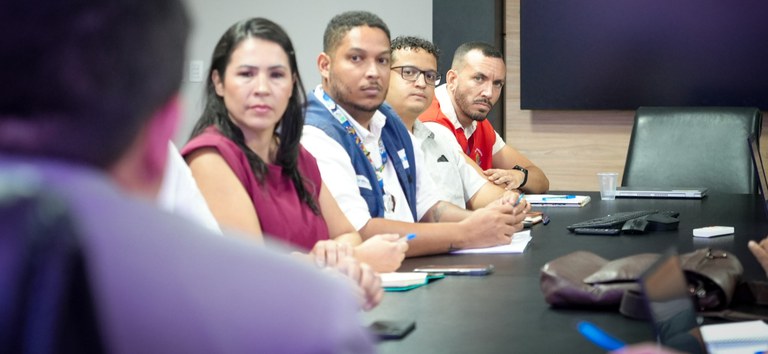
pixel 396 140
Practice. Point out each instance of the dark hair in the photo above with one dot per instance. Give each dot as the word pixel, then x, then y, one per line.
pixel 411 42
pixel 84 77
pixel 292 121
pixel 488 50
pixel 341 24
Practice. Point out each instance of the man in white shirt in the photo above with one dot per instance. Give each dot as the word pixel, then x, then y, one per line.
pixel 473 86
pixel 94 103
pixel 411 90
pixel 366 155
pixel 179 193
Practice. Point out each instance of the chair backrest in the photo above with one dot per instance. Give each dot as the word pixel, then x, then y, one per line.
pixel 45 297
pixel 679 147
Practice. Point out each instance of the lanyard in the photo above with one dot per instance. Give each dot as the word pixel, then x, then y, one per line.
pixel 343 118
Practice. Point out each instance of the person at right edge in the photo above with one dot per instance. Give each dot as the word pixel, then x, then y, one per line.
pixel 92 101
pixel 758 249
pixel 459 110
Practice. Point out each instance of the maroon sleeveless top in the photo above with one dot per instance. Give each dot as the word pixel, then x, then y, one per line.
pixel 281 213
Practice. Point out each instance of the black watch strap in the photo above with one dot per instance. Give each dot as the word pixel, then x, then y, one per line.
pixel 525 174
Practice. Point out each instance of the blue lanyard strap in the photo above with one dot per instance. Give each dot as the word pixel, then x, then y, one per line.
pixel 343 118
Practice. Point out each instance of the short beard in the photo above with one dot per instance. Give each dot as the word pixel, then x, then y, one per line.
pixel 464 106
pixel 338 92
pixel 479 117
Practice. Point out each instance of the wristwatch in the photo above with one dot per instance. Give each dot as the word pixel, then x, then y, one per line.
pixel 525 174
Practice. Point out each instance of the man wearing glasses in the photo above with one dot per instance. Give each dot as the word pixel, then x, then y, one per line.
pixel 366 156
pixel 473 85
pixel 411 90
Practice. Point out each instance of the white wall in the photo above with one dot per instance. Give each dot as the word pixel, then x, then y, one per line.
pixel 304 20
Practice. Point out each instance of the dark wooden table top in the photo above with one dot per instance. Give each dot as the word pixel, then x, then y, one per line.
pixel 505 312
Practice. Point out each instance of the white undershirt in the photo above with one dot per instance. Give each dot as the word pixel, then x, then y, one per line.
pixel 446 106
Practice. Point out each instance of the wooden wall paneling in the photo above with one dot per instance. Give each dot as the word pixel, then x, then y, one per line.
pixel 570 146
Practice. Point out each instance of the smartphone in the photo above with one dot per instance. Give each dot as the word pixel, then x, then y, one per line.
pixel 462 269
pixel 386 330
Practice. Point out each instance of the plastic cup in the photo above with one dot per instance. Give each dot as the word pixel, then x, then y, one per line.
pixel 608 183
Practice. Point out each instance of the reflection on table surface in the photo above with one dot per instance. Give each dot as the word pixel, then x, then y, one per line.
pixel 505 311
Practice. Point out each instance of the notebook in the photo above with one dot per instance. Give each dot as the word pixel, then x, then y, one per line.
pixel 737 337
pixel 639 192
pixel 557 200
pixel 404 281
pixel 757 160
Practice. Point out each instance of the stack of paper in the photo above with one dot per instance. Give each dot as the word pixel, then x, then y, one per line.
pixel 519 242
pixel 557 200
pixel 738 337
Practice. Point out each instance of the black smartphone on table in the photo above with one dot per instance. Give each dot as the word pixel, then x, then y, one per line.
pixel 387 329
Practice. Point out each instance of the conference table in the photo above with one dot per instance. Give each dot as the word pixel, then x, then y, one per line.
pixel 505 312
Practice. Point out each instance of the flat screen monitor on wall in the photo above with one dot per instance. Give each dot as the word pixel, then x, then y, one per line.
pixel 608 54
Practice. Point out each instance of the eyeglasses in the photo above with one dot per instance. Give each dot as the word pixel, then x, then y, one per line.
pixel 411 73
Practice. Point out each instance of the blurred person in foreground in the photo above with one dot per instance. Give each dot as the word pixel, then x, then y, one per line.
pixel 93 104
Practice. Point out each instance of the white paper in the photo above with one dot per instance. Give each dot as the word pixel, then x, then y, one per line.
pixel 519 243
pixel 399 279
pixel 737 337
pixel 556 200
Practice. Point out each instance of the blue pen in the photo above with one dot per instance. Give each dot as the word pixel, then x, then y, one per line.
pixel 519 199
pixel 599 337
pixel 558 197
pixel 409 237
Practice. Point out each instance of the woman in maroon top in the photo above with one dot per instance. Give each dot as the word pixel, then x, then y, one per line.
pixel 246 157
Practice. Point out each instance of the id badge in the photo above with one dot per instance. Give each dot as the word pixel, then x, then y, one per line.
pixel 389 202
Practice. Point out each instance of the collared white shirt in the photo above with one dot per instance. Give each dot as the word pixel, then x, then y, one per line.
pixel 180 194
pixel 441 95
pixel 339 174
pixel 455 179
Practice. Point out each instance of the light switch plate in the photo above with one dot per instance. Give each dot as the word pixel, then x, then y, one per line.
pixel 196 71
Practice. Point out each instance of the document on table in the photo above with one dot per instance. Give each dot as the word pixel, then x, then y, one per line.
pixel 519 242
pixel 736 337
pixel 557 200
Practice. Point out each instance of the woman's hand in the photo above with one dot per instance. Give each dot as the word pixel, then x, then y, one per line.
pixel 366 281
pixel 330 253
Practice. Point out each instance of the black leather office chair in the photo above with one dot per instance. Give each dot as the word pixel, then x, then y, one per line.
pixel 673 147
pixel 45 299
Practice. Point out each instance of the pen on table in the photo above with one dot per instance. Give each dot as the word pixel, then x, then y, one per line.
pixel 545 219
pixel 557 197
pixel 599 337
